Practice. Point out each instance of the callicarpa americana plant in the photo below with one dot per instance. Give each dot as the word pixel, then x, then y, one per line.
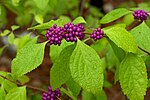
pixel 80 55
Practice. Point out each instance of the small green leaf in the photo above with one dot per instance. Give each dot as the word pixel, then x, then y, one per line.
pixel 14 27
pixel 86 68
pixel 133 77
pixel 23 79
pixel 55 50
pixel 39 18
pixel 2 93
pixel 40 4
pixel 141 34
pixel 79 20
pixel 122 39
pixel 18 93
pixel 11 38
pixel 73 87
pixel 113 15
pixel 5 33
pixel 28 58
pixel 60 72
pixel 1 49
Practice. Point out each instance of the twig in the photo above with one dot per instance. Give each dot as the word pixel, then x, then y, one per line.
pixel 31 87
pixel 81 7
pixel 134 24
pixel 144 50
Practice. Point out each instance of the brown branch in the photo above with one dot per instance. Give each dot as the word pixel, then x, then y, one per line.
pixel 134 24
pixel 28 86
pixel 144 50
pixel 81 7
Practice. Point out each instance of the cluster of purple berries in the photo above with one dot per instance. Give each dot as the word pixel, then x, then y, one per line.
pixel 140 15
pixel 97 34
pixel 54 35
pixel 51 95
pixel 69 32
pixel 73 31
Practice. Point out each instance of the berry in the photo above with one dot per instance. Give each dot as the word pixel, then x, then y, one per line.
pixel 54 35
pixel 140 15
pixel 72 32
pixel 97 34
pixel 51 95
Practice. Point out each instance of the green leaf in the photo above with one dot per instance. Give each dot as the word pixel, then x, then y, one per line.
pixel 73 87
pixel 24 40
pixel 23 79
pixel 28 58
pixel 141 34
pixel 59 22
pixel 2 93
pixel 41 4
pixel 79 20
pixel 68 93
pixel 15 2
pixel 18 93
pixel 133 77
pixel 11 38
pixel 5 33
pixel 60 72
pixel 1 49
pixel 55 50
pixel 89 96
pixel 14 27
pixel 8 85
pixel 39 18
pixel 86 68
pixel 113 15
pixel 120 53
pixel 122 39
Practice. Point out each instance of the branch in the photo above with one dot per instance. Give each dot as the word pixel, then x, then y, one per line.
pixel 134 24
pixel 28 86
pixel 144 50
pixel 81 7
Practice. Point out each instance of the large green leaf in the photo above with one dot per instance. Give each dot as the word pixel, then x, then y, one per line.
pixel 113 15
pixel 73 87
pixel 60 71
pixel 141 34
pixel 86 68
pixel 41 4
pixel 28 58
pixel 133 77
pixel 18 93
pixel 55 50
pixel 122 39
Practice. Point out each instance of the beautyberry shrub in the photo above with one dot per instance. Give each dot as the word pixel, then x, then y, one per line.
pixel 97 34
pixel 54 35
pixel 140 15
pixel 72 32
pixel 51 95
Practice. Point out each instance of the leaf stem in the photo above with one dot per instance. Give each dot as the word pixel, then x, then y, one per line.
pixel 86 39
pixel 20 84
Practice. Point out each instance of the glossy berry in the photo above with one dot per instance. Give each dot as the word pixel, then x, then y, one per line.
pixel 72 32
pixel 97 34
pixel 51 95
pixel 54 35
pixel 140 15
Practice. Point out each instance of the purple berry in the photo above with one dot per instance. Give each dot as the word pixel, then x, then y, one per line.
pixel 72 32
pixel 97 34
pixel 51 95
pixel 140 15
pixel 54 35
